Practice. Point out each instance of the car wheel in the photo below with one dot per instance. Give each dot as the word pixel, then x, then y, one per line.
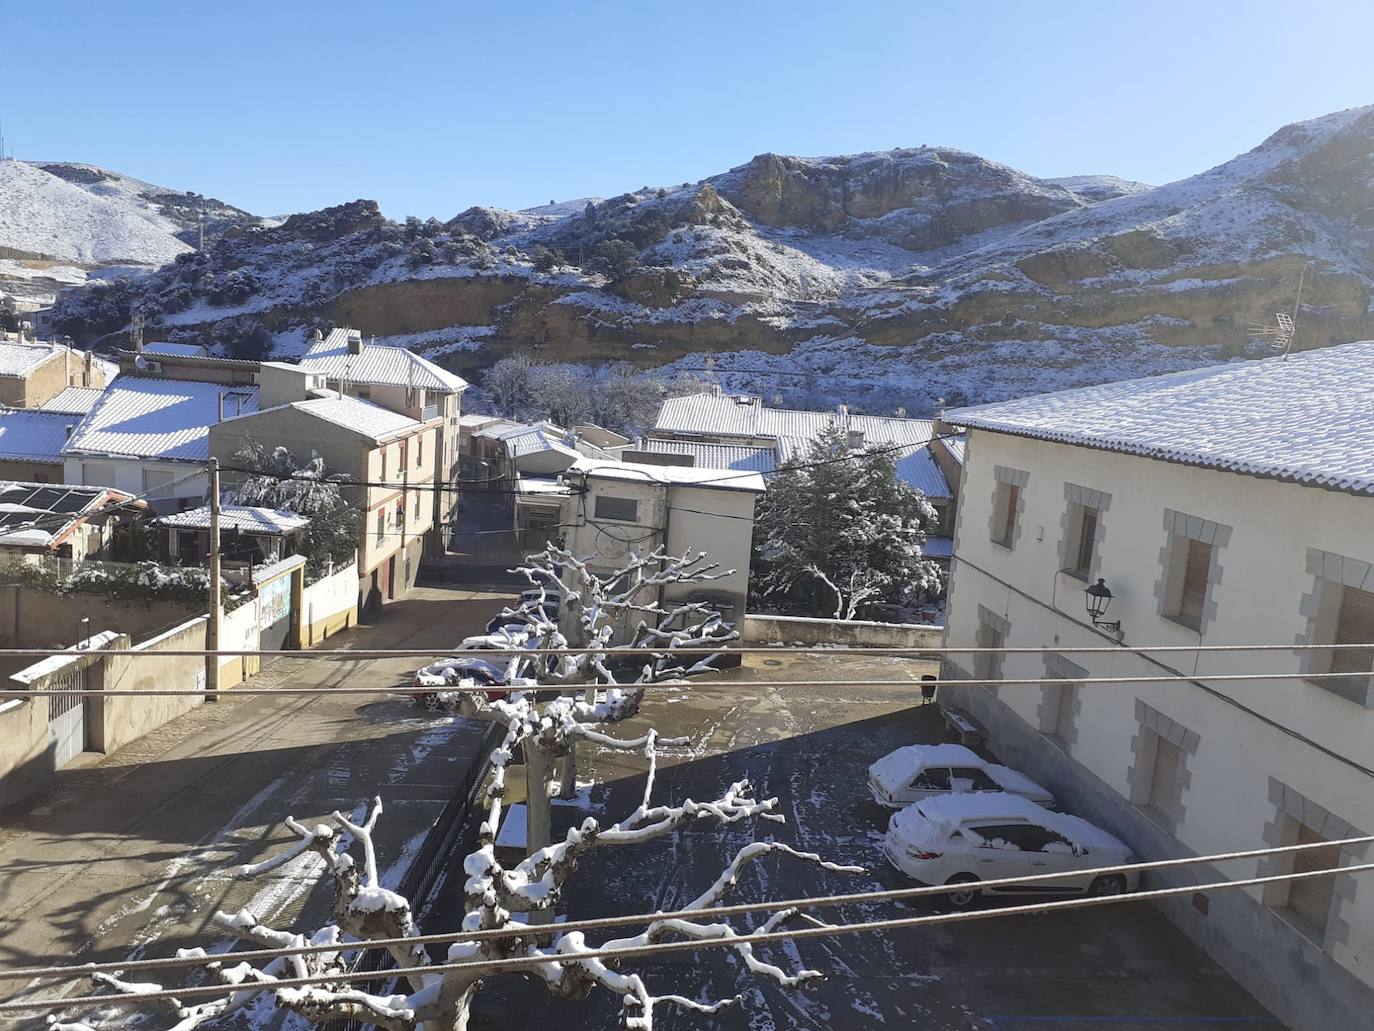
pixel 966 896
pixel 431 702
pixel 1111 884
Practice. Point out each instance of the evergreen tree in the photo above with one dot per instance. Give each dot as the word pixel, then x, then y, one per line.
pixel 837 532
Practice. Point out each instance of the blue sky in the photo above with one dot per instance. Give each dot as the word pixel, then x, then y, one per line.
pixel 430 108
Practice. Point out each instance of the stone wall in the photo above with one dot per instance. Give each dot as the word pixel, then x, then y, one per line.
pixel 856 633
pixel 32 618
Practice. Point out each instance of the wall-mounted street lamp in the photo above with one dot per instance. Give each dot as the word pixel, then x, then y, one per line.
pixel 1099 596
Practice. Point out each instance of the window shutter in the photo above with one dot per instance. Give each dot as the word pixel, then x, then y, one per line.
pixel 1013 494
pixel 1166 775
pixel 1310 897
pixel 1355 625
pixel 1086 533
pixel 1196 568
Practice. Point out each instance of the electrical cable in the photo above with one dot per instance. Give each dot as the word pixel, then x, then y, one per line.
pixel 599 923
pixel 604 955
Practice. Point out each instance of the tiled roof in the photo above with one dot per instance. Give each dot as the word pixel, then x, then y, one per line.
pixel 40 514
pixel 152 417
pixel 955 447
pixel 938 547
pixel 262 521
pixel 744 457
pixel 176 350
pixel 726 415
pixel 73 400
pixel 18 360
pixel 917 467
pixel 31 434
pixel 363 417
pixel 1309 419
pixel 390 366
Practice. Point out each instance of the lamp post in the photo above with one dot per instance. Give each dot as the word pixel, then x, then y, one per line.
pixel 1099 596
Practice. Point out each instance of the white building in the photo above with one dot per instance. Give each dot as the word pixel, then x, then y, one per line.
pixel 149 436
pixel 617 508
pixel 1230 505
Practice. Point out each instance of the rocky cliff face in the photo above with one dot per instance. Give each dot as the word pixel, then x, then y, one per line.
pixel 892 278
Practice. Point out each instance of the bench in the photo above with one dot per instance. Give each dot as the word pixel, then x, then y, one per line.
pixel 970 731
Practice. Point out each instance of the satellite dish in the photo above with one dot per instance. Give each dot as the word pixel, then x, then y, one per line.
pixel 140 362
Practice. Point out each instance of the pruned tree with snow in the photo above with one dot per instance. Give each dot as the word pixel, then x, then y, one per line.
pixel 274 478
pixel 517 902
pixel 838 532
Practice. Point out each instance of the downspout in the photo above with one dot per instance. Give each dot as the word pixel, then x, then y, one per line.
pixel 667 523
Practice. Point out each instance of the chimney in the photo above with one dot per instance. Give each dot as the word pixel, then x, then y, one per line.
pixel 71 428
pixel 355 342
pixel 316 338
pixel 90 369
pixel 856 440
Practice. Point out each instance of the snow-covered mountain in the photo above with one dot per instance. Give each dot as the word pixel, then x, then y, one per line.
pixel 888 278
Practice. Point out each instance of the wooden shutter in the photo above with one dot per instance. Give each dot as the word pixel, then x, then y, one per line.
pixel 1165 774
pixel 1354 625
pixel 1087 531
pixel 1310 897
pixel 1012 494
pixel 1196 567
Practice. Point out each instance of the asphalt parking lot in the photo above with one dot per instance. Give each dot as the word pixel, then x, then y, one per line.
pixel 1122 967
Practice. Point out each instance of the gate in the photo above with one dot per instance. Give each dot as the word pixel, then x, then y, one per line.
pixel 274 614
pixel 67 716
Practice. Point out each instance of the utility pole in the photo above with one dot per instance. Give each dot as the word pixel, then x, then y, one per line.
pixel 212 627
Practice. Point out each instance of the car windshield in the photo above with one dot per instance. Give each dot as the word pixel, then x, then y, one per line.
pixel 932 778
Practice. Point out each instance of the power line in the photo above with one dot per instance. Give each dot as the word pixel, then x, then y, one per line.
pixel 496 966
pixel 599 923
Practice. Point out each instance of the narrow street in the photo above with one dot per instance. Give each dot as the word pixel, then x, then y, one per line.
pixel 128 855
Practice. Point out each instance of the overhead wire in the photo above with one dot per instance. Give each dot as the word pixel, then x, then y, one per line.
pixel 484 967
pixel 733 909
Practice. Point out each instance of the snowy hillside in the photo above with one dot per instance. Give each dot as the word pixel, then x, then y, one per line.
pixel 46 216
pixel 888 278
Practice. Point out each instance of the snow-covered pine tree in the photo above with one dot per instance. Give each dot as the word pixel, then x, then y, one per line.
pixel 278 480
pixel 838 532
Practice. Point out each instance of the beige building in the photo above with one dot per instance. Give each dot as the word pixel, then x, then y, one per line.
pixel 615 509
pixel 1226 506
pixel 406 383
pixel 393 458
pixel 32 371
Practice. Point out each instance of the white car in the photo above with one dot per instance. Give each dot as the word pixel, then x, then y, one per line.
pixel 918 772
pixel 962 839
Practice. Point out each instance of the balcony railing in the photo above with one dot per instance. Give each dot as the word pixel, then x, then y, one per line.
pixel 429 411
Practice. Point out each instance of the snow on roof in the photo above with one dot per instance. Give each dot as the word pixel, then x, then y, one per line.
pixel 54 508
pixel 540 485
pixel 708 414
pixel 176 350
pixel 719 479
pixel 1308 420
pixel 73 400
pixel 743 457
pixel 363 417
pixel 530 440
pixel 955 447
pixel 378 363
pixel 33 434
pixel 917 467
pixel 18 360
pixel 152 417
pixel 896 769
pixel 273 522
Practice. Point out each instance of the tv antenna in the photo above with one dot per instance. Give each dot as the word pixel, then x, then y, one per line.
pixel 1284 326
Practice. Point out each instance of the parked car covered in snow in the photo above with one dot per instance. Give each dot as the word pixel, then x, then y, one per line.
pixel 918 772
pixel 962 839
pixel 432 680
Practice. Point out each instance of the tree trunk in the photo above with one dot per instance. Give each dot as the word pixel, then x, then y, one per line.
pixel 567 784
pixel 538 812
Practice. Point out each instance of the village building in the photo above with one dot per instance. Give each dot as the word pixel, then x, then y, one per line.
pixel 249 536
pixel 391 459
pixel 63 525
pixel 1226 506
pixel 149 435
pixel 32 371
pixel 31 442
pixel 404 382
pixel 696 427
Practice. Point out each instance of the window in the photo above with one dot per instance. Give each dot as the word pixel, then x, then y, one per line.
pixel 1309 899
pixel 1083 538
pixel 1006 507
pixel 97 474
pixel 381 523
pixel 1354 625
pixel 157 483
pixel 1164 778
pixel 624 510
pixel 404 446
pixel 932 778
pixel 419 451
pixel 383 450
pixel 992 633
pixel 974 778
pixel 1057 712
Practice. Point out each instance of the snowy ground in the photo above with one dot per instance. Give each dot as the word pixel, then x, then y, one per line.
pixel 1125 967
